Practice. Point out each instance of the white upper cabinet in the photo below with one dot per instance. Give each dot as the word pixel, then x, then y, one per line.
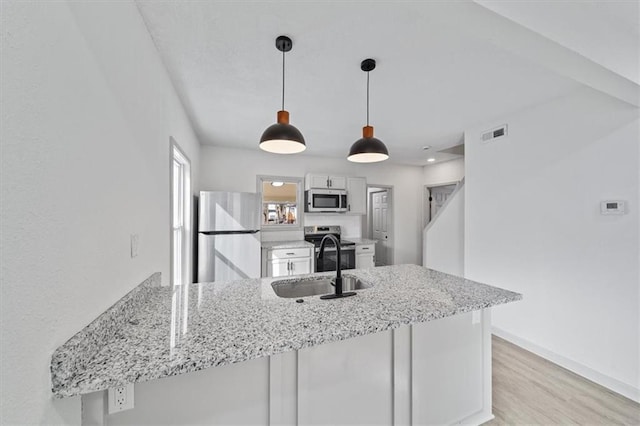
pixel 357 195
pixel 337 182
pixel 313 180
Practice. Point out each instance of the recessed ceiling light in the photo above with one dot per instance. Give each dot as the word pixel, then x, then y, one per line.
pixel 431 160
pixel 426 147
pixel 276 183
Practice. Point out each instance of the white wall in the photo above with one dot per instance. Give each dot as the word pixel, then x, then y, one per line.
pixel 228 169
pixel 87 113
pixel 443 248
pixel 533 226
pixel 446 172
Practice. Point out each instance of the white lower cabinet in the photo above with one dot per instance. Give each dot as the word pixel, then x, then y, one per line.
pixel 301 265
pixel 278 268
pixel 348 382
pixel 457 368
pixel 438 372
pixel 365 256
pixel 285 262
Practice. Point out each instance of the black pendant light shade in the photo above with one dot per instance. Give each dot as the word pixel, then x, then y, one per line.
pixel 282 137
pixel 368 149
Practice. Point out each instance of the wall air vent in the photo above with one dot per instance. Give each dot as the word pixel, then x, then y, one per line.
pixel 492 134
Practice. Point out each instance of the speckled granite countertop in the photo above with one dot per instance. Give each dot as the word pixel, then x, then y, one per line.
pixel 359 241
pixel 287 244
pixel 243 320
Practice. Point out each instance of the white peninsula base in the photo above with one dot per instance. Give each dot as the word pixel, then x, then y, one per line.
pixel 437 372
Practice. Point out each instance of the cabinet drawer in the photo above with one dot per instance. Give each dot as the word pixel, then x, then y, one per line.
pixel 289 253
pixel 365 248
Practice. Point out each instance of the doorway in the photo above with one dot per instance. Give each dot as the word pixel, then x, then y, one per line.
pixel 180 216
pixel 434 198
pixel 380 222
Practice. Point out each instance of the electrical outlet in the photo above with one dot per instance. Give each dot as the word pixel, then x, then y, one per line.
pixel 120 398
pixel 476 317
pixel 135 242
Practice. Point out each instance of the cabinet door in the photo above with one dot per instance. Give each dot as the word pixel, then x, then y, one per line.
pixel 364 260
pixel 337 182
pixel 278 267
pixel 347 383
pixel 301 265
pixel 449 352
pixel 316 181
pixel 357 195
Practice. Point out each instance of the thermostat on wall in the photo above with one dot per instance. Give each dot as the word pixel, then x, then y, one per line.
pixel 612 207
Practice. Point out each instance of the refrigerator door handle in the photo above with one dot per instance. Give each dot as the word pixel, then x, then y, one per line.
pixel 248 231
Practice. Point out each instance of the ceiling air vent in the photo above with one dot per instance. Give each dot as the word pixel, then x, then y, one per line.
pixel 492 134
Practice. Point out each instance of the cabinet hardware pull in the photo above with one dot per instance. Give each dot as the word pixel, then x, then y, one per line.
pixel 290 254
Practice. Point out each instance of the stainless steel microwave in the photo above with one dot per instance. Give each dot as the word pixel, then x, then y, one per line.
pixel 325 200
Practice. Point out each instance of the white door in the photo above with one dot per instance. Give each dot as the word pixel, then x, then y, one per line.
pixel 380 226
pixel 438 196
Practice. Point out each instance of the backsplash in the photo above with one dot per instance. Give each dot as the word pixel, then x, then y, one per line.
pixel 282 235
pixel 351 224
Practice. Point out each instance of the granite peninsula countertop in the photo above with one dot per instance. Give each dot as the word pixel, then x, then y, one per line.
pixel 136 340
pixel 287 244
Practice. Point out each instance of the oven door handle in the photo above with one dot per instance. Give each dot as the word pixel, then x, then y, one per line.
pixel 333 249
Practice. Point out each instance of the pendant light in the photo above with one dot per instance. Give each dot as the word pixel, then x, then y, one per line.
pixel 282 137
pixel 368 149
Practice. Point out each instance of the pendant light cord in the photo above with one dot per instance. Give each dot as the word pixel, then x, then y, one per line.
pixel 283 80
pixel 367 98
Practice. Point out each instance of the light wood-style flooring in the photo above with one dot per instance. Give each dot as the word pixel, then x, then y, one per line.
pixel 529 390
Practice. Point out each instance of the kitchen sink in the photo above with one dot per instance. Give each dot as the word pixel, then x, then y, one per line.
pixel 304 287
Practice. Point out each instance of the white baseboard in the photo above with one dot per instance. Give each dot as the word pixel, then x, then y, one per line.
pixel 608 382
pixel 477 419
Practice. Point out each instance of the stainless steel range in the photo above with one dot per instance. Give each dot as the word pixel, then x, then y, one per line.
pixel 315 234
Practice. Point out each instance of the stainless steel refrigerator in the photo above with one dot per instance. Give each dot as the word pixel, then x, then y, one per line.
pixel 228 236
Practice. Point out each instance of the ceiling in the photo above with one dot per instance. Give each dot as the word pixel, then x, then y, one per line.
pixel 439 71
pixel 607 32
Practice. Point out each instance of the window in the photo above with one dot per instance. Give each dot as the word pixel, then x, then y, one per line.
pixel 281 202
pixel 180 216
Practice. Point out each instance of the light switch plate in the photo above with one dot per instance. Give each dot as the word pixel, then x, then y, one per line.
pixel 135 242
pixel 476 317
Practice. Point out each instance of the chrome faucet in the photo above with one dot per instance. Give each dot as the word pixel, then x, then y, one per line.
pixel 338 284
